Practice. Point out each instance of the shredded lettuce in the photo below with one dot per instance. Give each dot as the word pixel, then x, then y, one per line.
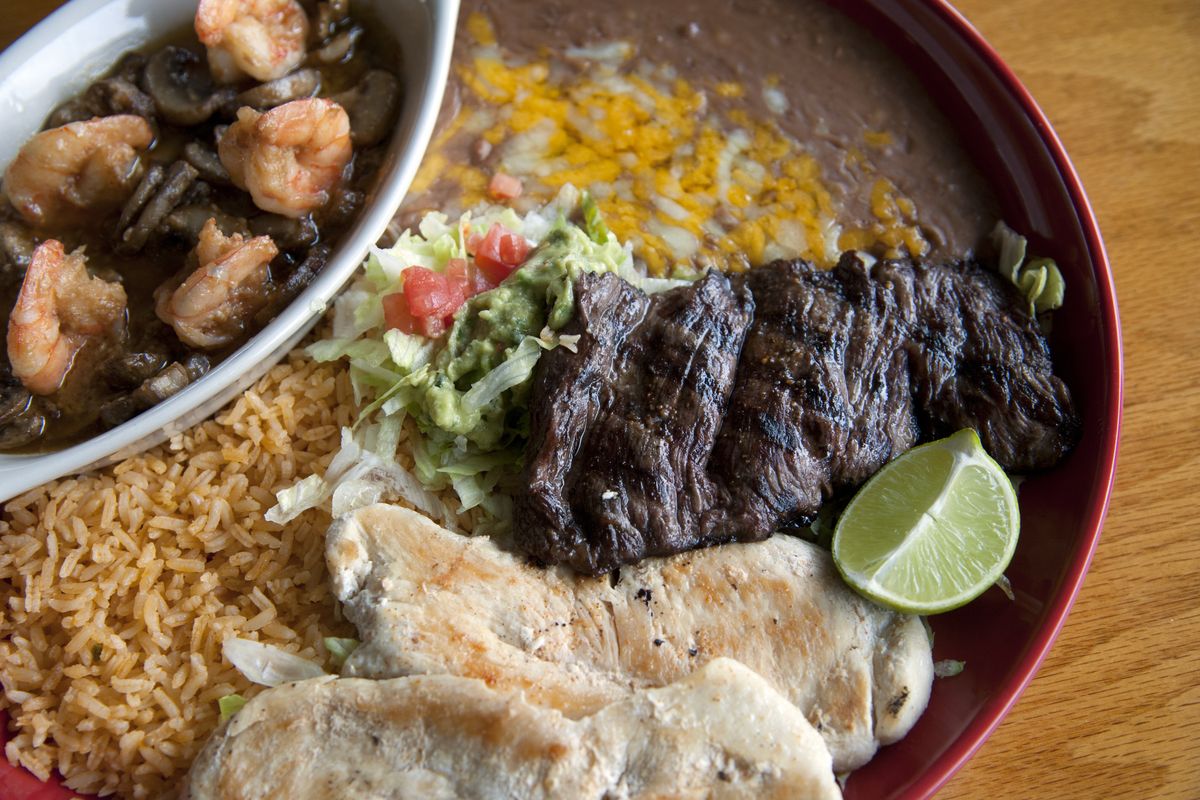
pixel 357 478
pixel 297 498
pixel 948 668
pixel 516 369
pixel 267 665
pixel 409 353
pixel 340 649
pixel 364 351
pixel 1039 279
pixel 593 222
pixel 230 704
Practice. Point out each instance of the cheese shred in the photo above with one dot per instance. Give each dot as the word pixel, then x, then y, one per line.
pixel 689 186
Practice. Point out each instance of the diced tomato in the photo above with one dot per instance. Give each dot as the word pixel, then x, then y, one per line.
pixel 434 327
pixel 514 250
pixel 456 274
pixel 429 300
pixel 430 294
pixel 479 281
pixel 500 252
pixel 504 187
pixel 468 277
pixel 396 314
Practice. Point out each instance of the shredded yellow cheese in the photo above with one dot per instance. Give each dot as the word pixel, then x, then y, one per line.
pixel 688 187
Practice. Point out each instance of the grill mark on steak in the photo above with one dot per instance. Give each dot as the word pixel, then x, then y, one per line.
pixel 566 400
pixel 631 482
pixel 734 407
pixel 825 361
pixel 985 364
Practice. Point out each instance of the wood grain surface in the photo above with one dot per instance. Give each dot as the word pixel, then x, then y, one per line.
pixel 1115 709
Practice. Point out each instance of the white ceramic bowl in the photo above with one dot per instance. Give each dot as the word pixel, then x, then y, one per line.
pixel 78 43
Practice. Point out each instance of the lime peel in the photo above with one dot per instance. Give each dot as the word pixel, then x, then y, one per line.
pixel 932 530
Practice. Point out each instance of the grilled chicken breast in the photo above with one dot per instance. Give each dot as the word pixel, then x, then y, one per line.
pixel 723 732
pixel 428 601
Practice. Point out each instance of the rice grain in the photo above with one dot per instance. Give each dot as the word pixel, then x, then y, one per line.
pixel 120 586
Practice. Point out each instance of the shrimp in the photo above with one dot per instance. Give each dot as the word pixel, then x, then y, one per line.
pixel 290 158
pixel 260 38
pixel 64 174
pixel 59 308
pixel 213 306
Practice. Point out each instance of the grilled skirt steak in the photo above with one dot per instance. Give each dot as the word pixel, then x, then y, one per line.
pixel 733 408
pixel 623 428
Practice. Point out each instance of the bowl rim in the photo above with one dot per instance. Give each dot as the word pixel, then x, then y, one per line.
pixel 20 473
pixel 992 713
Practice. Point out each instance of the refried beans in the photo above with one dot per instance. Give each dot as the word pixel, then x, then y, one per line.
pixel 719 134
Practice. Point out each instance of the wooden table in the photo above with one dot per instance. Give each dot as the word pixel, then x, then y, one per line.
pixel 1115 710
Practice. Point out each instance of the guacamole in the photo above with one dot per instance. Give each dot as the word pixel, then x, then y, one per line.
pixel 508 325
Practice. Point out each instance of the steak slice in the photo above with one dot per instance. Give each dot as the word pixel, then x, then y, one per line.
pixel 822 397
pixel 979 360
pixel 734 408
pixel 845 369
pixel 616 469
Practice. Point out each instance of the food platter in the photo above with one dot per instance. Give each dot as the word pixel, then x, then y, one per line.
pixel 1003 642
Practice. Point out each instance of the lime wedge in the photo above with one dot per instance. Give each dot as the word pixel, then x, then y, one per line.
pixel 930 531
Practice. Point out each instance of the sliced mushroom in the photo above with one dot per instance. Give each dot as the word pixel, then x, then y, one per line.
pixel 339 48
pixel 116 94
pixel 294 86
pixel 166 383
pixel 199 193
pixel 206 161
pixel 150 182
pixel 197 364
pixel 77 109
pixel 286 291
pixel 287 232
pixel 174 186
pixel 121 96
pixel 329 15
pixel 21 421
pixel 15 400
pixel 16 246
pixel 130 67
pixel 130 370
pixel 104 98
pixel 22 430
pixel 182 88
pixel 343 205
pixel 366 165
pixel 187 222
pixel 372 107
pixel 151 380
pixel 120 409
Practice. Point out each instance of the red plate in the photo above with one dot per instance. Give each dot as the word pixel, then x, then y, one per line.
pixel 1003 643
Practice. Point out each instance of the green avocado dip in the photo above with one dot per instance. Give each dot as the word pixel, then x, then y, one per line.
pixel 508 325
